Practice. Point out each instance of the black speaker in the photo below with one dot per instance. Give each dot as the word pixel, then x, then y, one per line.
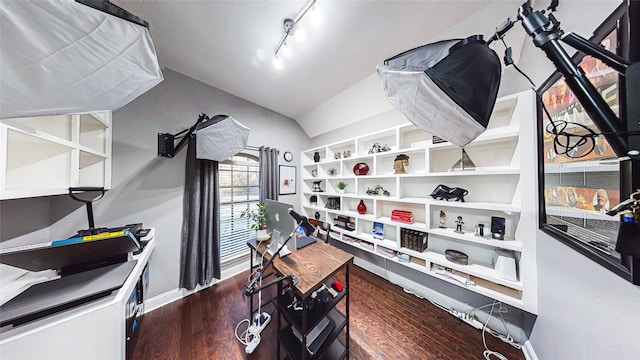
pixel 497 227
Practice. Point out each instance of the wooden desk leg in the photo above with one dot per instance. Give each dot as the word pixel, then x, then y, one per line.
pixel 277 313
pixel 347 312
pixel 250 297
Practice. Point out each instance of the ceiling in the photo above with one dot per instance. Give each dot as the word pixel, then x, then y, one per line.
pixel 229 44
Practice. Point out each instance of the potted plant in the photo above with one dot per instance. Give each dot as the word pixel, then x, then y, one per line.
pixel 341 187
pixel 258 217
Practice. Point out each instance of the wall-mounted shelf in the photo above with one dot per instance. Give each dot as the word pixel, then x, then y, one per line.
pixel 503 184
pixel 46 155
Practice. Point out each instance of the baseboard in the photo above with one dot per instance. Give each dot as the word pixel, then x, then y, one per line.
pixel 528 351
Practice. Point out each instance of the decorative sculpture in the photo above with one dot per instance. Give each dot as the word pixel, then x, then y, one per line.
pixel 399 163
pixel 377 190
pixel 316 186
pixel 377 148
pixel 443 192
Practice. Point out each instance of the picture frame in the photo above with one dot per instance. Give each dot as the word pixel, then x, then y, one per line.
pixel 579 184
pixel 287 180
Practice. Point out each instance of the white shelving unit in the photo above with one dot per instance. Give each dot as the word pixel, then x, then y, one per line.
pixel 46 155
pixel 503 184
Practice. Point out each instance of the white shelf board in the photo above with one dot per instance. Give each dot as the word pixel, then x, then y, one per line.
pixel 420 226
pixel 483 291
pixel 504 132
pixel 474 269
pixel 470 237
pixel 507 208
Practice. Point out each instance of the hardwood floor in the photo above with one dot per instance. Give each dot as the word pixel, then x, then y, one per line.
pixel 386 323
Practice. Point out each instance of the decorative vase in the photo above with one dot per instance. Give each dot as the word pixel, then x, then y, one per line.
pixel 316 156
pixel 361 169
pixel 362 208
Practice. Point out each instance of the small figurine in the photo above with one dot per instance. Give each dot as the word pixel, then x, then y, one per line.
pixel 377 148
pixel 346 154
pixel 459 223
pixel 443 216
pixel 480 230
pixel 316 186
pixel 399 163
pixel 314 173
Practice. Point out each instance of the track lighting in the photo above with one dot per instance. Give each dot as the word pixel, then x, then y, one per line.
pixel 289 26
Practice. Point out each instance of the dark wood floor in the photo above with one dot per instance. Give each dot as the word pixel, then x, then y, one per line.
pixel 386 323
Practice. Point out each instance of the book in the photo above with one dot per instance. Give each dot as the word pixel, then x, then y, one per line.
pixel 378 230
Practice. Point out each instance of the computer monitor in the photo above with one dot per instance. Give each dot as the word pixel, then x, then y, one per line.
pixel 278 219
pixel 280 224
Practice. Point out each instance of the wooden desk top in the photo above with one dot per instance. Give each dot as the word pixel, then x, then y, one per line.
pixel 312 265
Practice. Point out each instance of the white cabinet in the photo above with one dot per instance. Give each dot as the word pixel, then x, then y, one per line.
pixel 46 155
pixel 503 184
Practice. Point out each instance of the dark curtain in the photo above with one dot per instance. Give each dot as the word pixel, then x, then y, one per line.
pixel 268 173
pixel 200 252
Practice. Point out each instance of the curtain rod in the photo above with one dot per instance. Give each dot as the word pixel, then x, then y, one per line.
pixel 256 148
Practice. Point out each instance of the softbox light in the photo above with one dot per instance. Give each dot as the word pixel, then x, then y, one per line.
pixel 447 88
pixel 220 137
pixel 65 57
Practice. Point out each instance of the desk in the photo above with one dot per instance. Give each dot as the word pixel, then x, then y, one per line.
pixel 313 266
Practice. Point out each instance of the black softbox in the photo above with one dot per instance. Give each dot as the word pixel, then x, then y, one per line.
pixel 447 88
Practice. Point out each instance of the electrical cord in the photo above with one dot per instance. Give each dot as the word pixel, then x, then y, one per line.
pixel 488 353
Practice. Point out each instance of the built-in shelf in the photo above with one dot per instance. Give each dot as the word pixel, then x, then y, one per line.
pixel 48 154
pixel 502 184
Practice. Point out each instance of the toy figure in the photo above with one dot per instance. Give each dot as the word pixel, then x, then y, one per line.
pixel 459 223
pixel 443 216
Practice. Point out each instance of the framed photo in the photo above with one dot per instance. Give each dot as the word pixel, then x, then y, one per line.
pixel 287 180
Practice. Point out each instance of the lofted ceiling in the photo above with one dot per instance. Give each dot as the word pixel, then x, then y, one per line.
pixel 229 44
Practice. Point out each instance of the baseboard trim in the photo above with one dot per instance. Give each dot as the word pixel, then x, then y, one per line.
pixel 528 351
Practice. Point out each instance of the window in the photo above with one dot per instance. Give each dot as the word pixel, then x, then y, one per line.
pixel 239 190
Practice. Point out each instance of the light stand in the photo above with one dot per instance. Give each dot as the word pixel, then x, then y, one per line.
pixel 621 133
pixel 251 288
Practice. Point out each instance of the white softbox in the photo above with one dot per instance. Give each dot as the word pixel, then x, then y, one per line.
pixel 447 88
pixel 62 57
pixel 220 137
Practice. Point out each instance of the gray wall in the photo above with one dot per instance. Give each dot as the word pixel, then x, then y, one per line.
pixel 147 188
